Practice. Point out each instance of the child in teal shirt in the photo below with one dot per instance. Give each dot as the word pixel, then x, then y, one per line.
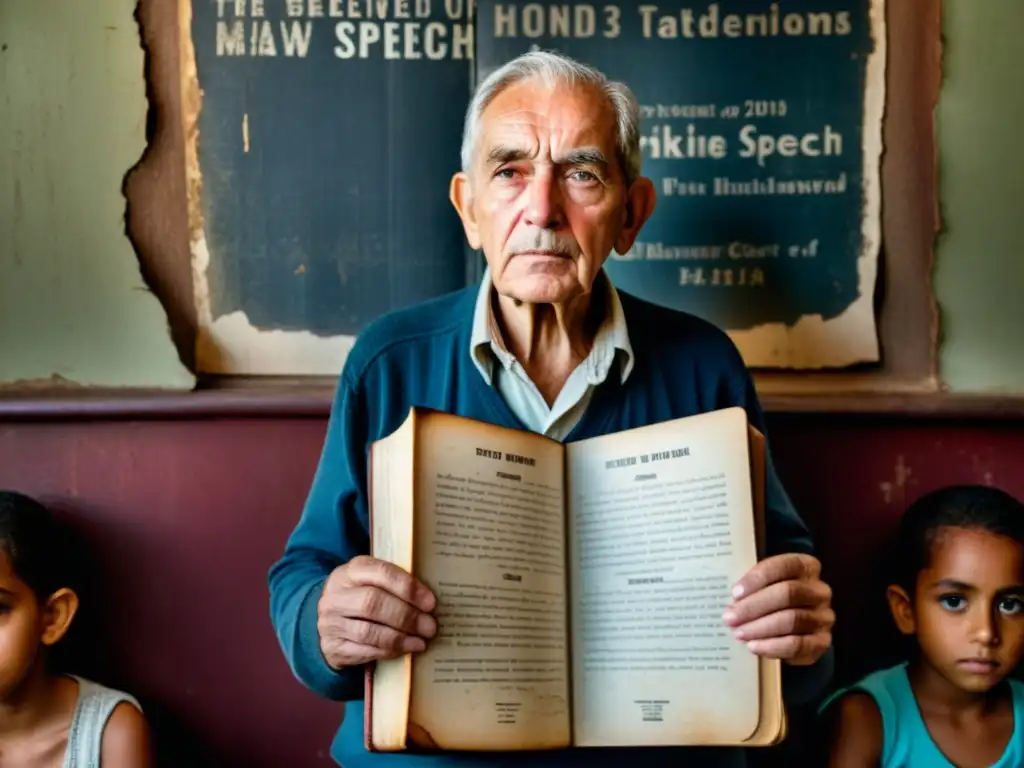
pixel 959 595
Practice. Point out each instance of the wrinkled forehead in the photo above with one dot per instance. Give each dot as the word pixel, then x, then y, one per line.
pixel 547 122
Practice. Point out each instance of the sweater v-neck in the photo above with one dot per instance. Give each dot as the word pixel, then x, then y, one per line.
pixel 593 421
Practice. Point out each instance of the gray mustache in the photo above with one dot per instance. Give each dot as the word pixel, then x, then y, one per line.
pixel 543 240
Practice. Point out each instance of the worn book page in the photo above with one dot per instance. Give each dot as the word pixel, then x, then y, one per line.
pixel 661 527
pixel 391 539
pixel 490 543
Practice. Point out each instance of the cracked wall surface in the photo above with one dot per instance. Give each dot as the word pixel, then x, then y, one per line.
pixel 74 305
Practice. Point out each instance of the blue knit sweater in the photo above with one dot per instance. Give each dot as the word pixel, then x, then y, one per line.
pixel 420 356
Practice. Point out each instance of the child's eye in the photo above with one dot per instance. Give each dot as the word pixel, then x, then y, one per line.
pixel 1011 605
pixel 953 602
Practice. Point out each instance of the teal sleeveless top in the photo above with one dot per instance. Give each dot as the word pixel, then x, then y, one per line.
pixel 906 742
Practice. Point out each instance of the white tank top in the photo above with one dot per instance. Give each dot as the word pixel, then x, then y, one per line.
pixel 85 736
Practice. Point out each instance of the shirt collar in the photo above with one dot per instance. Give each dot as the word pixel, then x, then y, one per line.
pixel 485 343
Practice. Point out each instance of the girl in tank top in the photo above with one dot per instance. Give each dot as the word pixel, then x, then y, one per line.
pixel 48 720
pixel 958 593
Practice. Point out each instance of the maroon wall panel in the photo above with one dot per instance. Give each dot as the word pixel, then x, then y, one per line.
pixel 185 517
pixel 852 477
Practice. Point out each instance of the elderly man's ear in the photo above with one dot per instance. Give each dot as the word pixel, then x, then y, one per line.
pixel 640 201
pixel 459 194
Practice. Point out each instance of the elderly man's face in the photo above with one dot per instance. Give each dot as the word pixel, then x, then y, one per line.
pixel 546 198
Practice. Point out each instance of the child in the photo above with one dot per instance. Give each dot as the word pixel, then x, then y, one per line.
pixel 959 594
pixel 49 720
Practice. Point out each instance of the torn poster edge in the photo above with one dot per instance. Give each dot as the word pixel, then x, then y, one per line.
pixel 852 336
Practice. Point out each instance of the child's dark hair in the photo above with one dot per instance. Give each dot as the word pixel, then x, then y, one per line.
pixel 34 542
pixel 976 507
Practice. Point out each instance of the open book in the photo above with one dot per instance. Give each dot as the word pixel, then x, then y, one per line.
pixel 580 587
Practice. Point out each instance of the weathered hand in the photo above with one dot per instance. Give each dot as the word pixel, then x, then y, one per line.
pixel 371 609
pixel 783 610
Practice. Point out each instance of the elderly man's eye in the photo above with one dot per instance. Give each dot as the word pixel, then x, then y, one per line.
pixel 583 177
pixel 505 173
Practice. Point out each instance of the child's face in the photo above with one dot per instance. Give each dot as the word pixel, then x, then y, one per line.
pixel 26 624
pixel 20 628
pixel 968 608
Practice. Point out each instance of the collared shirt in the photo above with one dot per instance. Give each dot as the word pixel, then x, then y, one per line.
pixel 501 370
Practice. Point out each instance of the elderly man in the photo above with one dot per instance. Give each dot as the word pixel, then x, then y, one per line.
pixel 550 185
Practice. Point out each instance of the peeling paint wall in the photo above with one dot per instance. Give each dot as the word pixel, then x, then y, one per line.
pixel 73 304
pixel 979 279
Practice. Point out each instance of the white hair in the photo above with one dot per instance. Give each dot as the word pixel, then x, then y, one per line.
pixel 554 69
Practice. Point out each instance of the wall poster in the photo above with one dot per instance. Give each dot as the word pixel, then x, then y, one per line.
pixel 321 136
pixel 320 139
pixel 761 129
